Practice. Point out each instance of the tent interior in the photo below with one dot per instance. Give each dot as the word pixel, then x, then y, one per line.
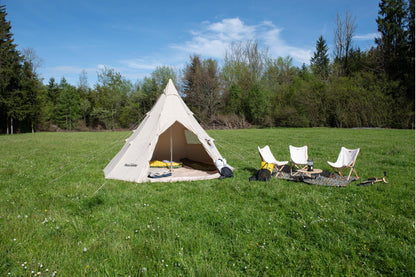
pixel 179 144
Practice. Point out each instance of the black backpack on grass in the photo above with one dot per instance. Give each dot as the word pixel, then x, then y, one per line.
pixel 261 175
pixel 226 172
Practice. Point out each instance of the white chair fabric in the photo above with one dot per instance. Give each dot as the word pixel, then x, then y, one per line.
pixel 346 159
pixel 299 155
pixel 267 156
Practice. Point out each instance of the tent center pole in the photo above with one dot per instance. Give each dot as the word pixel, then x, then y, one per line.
pixel 171 154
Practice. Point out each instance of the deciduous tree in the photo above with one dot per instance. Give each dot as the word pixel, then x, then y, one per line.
pixel 343 35
pixel 111 92
pixel 202 86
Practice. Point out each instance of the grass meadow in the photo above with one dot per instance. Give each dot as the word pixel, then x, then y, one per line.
pixel 59 216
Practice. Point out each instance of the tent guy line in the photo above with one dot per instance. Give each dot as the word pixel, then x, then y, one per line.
pixel 94 156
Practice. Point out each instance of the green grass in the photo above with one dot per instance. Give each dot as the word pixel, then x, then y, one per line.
pixel 59 215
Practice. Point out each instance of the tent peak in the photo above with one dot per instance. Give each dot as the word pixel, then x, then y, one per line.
pixel 170 88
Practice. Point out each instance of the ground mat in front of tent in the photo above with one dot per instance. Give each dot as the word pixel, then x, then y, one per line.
pixel 184 173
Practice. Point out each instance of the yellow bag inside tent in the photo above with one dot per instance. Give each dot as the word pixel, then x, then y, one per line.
pixel 157 163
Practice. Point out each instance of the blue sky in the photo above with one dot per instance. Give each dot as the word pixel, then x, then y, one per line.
pixel 134 37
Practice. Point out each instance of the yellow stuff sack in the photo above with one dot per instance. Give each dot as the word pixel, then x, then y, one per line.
pixel 268 166
pixel 156 163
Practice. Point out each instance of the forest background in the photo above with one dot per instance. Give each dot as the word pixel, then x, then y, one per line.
pixel 348 88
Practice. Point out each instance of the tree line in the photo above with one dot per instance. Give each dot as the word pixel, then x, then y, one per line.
pixel 372 88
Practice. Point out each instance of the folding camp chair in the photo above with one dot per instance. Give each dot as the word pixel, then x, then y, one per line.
pixel 298 157
pixel 267 156
pixel 346 160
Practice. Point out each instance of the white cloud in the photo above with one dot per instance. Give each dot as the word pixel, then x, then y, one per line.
pixel 232 29
pixel 64 69
pixel 279 48
pixel 213 39
pixel 140 63
pixel 370 36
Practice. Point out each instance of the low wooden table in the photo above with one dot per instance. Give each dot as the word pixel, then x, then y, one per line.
pixel 306 173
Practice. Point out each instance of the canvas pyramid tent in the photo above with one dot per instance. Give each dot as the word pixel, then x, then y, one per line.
pixel 168 132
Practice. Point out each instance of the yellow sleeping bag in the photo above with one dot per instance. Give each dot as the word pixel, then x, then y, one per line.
pixel 161 164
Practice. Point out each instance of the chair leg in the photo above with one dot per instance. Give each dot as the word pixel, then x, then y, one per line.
pixel 349 175
pixel 332 172
pixel 341 172
pixel 294 166
pixel 279 170
pixel 355 172
pixel 358 177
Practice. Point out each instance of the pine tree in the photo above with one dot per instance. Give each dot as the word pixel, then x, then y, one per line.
pixel 393 41
pixel 10 69
pixel 34 91
pixel 396 47
pixel 320 60
pixel 20 88
pixel 411 50
pixel 69 106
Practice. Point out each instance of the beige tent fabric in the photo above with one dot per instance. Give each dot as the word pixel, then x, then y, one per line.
pixel 169 125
